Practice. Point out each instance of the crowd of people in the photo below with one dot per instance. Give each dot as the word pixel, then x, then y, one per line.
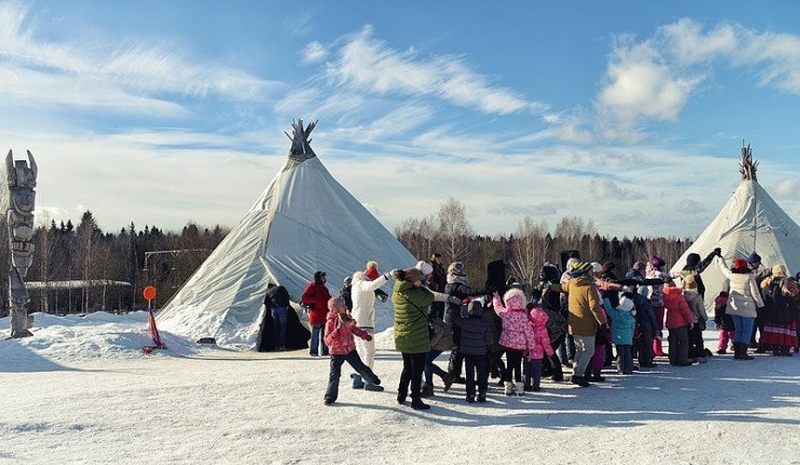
pixel 578 319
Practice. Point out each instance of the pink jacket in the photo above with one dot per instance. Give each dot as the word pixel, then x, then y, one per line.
pixel 541 340
pixel 517 332
pixel 678 311
pixel 339 330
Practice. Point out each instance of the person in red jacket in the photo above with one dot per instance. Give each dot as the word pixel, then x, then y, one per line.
pixel 339 330
pixel 315 297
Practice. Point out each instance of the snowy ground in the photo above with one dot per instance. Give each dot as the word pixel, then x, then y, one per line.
pixel 81 391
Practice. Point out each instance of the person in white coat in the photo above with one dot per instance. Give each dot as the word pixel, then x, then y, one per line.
pixel 744 298
pixel 363 294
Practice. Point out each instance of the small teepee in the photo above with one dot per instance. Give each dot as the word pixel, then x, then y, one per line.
pixel 303 222
pixel 751 221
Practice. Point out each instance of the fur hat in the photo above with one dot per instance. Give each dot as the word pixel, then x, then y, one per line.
pixel 754 258
pixel 657 261
pixel 456 269
pixel 515 298
pixel 424 267
pixel 335 304
pixel 692 259
pixel 779 271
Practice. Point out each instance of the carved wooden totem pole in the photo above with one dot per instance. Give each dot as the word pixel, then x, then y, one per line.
pixel 21 182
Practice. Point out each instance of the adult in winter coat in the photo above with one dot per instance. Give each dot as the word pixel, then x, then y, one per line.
pixel 517 336
pixel 760 273
pixel 315 297
pixel 339 330
pixel 476 338
pixel 276 301
pixel 585 316
pixel 411 300
pixel 655 270
pixel 679 320
pixel 437 283
pixel 362 293
pixel 744 298
pixel 458 286
pixel 780 294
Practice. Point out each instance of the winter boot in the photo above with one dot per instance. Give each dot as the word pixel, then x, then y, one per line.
pixel 510 389
pixel 358 383
pixel 373 387
pixel 448 380
pixel 482 397
pixel 595 376
pixel 418 404
pixel 580 381
pixel 518 389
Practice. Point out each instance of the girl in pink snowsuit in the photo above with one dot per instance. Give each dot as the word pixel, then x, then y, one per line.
pixel 541 346
pixel 517 336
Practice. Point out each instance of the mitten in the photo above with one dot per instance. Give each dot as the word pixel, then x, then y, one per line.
pixel 454 300
pixel 368 338
pixel 718 252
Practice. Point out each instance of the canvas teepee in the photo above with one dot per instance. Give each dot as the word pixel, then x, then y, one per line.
pixel 303 222
pixel 751 221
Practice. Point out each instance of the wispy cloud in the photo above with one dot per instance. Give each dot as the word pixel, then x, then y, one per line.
pixel 368 64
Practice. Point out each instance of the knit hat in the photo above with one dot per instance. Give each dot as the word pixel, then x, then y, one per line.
pixel 625 303
pixel 739 263
pixel 475 308
pixel 692 259
pixel 456 269
pixel 657 261
pixel 424 267
pixel 435 255
pixel 335 304
pixel 754 258
pixel 597 267
pixel 580 268
pixel 348 279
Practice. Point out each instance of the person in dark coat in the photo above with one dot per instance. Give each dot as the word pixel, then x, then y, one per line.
pixel 346 292
pixel 276 301
pixel 476 338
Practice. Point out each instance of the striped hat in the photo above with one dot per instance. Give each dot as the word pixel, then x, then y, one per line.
pixel 581 268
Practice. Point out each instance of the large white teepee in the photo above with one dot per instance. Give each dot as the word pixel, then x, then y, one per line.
pixel 750 222
pixel 303 222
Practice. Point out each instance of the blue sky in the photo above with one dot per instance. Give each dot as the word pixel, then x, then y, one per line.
pixel 629 114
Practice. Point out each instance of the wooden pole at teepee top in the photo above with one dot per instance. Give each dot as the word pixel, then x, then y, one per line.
pixel 747 166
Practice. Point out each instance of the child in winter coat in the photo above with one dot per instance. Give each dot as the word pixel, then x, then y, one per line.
pixel 723 322
pixel 476 338
pixel 623 324
pixel 339 330
pixel 517 336
pixel 541 346
pixel 679 321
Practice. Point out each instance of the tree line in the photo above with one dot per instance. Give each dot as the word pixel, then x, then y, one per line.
pixel 81 269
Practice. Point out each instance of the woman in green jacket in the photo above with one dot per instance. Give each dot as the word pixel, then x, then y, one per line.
pixel 411 301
